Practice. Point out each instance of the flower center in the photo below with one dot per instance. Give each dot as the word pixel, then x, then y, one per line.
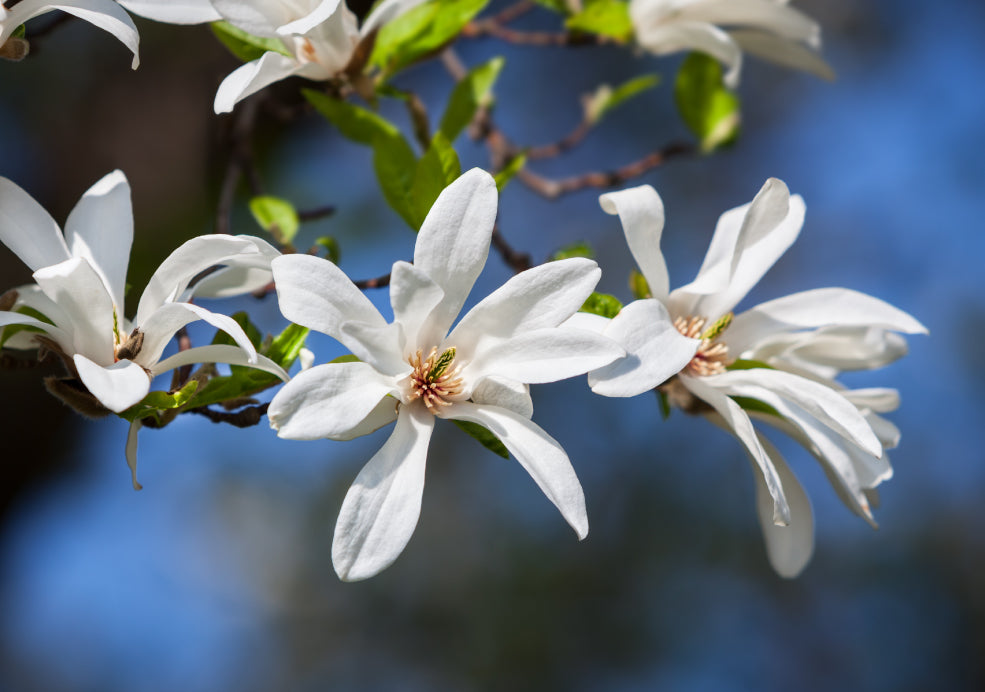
pixel 434 381
pixel 130 348
pixel 712 355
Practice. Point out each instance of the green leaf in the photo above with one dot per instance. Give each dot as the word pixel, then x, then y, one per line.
pixel 580 249
pixel 421 31
pixel 604 17
pixel 755 405
pixel 285 347
pixel 331 245
pixel 484 436
pixel 664 402
pixel 19 32
pixel 347 358
pixel 468 96
pixel 742 364
pixel 156 402
pixel 707 107
pixel 510 170
pixel 602 304
pixel 555 5
pixel 436 170
pixel 245 46
pixel 252 333
pixel 606 98
pixel 354 122
pixel 638 285
pixel 395 165
pixel 276 216
pixel 243 382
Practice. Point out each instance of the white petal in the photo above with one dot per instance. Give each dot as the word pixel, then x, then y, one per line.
pixel 504 393
pixel 783 52
pixel 219 353
pixel 655 351
pixel 827 406
pixel 387 11
pixel 747 242
pixel 767 15
pixel 821 307
pixel 641 212
pixel 736 420
pixel 377 346
pixel 588 321
pixel 381 509
pixel 105 14
pixel 315 293
pixel 252 77
pixel 174 11
pixel 243 273
pixel 258 17
pixel 543 355
pixel 661 39
pixel 79 291
pixel 100 229
pixel 12 318
pixel 118 386
pixel 538 453
pixel 384 414
pixel 160 327
pixel 190 259
pixel 328 401
pixel 879 399
pixel 789 548
pixel 324 10
pixel 131 452
pixel 28 230
pixel 453 244
pixel 536 298
pixel 413 296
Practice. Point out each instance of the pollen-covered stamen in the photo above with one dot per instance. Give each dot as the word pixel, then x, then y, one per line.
pixel 130 348
pixel 712 356
pixel 434 381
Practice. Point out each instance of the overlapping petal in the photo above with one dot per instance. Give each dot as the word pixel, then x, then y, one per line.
pixel 641 212
pixel 80 292
pixel 117 386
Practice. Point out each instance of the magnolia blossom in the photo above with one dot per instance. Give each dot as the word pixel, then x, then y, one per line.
pixel 105 14
pixel 319 37
pixel 767 28
pixel 418 368
pixel 775 362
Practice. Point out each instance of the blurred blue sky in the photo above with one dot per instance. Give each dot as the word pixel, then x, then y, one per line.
pixel 217 575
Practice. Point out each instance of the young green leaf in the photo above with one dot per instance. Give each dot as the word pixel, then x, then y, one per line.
pixel 435 171
pixel 509 171
pixel 602 304
pixel 707 107
pixel 580 249
pixel 276 216
pixel 355 123
pixel 285 347
pixel 156 402
pixel 606 98
pixel 604 17
pixel 244 46
pixel 395 165
pixel 638 285
pixel 251 330
pixel 332 249
pixel 484 437
pixel 473 92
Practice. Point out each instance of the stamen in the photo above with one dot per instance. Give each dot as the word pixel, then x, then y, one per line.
pixel 712 356
pixel 432 381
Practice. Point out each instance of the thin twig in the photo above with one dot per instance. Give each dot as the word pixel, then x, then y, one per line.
pixel 570 141
pixel 244 418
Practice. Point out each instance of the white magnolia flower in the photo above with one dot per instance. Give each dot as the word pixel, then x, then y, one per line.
pixel 414 370
pixel 775 361
pixel 769 29
pixel 80 279
pixel 320 36
pixel 106 14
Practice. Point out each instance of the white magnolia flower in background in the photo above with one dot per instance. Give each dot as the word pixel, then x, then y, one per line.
pixel 320 36
pixel 769 29
pixel 414 370
pixel 105 14
pixel 775 362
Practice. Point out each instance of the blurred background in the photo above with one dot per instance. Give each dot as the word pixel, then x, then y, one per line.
pixel 218 575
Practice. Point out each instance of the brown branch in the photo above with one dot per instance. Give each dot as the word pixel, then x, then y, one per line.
pixel 244 418
pixel 240 138
pixel 570 141
pixel 378 282
pixel 315 214
pixel 517 261
pixel 489 27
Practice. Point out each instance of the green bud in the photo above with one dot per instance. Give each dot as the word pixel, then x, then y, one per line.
pixel 719 326
pixel 441 365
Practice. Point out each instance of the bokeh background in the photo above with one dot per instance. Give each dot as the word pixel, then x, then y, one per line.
pixel 218 576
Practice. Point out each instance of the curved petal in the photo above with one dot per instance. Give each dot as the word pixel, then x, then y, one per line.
pixel 105 14
pixel 243 273
pixel 79 291
pixel 219 353
pixel 324 10
pixel 453 244
pixel 315 293
pixel 537 298
pixel 253 76
pixel 655 351
pixel 737 421
pixel 789 548
pixel 131 452
pixel 258 17
pixel 28 230
pixel 377 346
pixel 661 39
pixel 174 11
pixel 540 454
pixel 15 318
pixel 381 509
pixel 504 393
pixel 327 401
pixel 413 296
pixel 191 258
pixel 387 11
pixel 820 307
pixel 543 355
pixel 170 317
pixel 818 401
pixel 641 213
pixel 767 15
pixel 783 52
pixel 384 414
pixel 100 229
pixel 118 386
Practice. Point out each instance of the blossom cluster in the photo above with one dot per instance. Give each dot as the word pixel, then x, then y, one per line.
pixel 776 363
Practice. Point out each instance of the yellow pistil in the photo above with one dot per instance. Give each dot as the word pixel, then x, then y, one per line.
pixel 712 356
pixel 434 381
